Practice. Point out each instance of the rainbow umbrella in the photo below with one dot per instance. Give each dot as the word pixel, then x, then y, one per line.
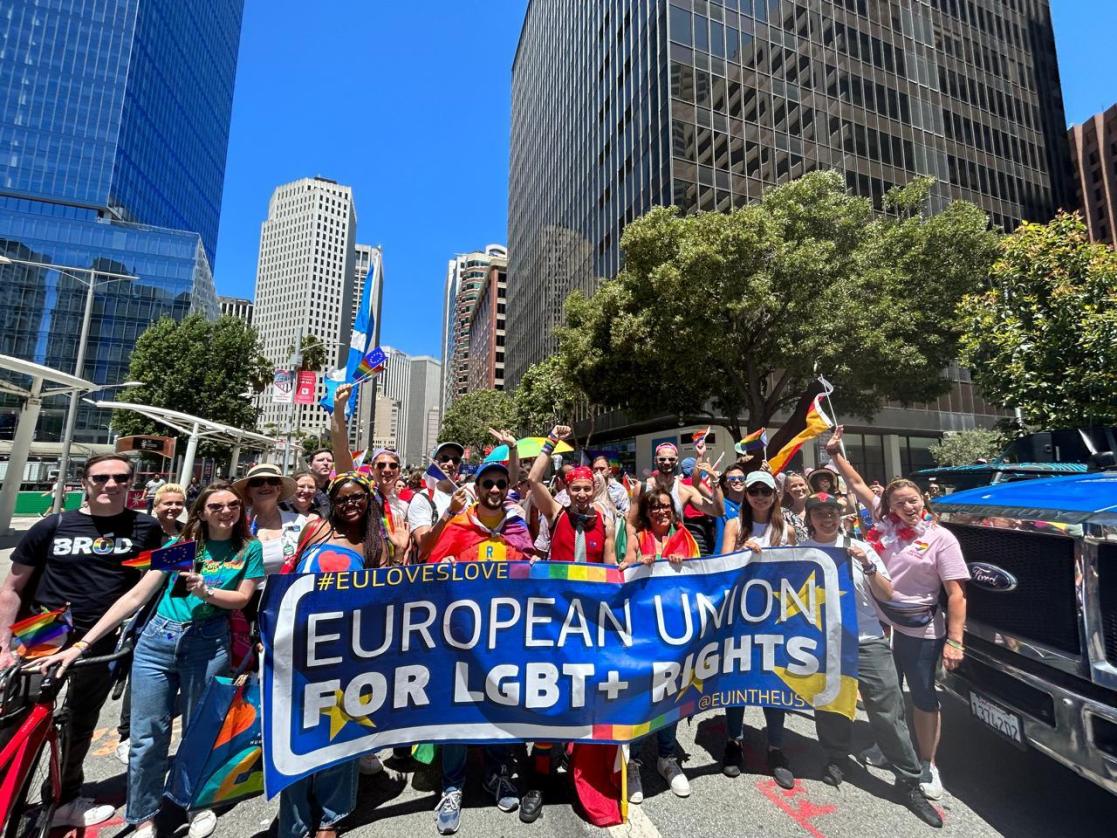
pixel 530 446
pixel 497 455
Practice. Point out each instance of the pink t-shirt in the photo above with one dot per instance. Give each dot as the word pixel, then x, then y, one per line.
pixel 918 568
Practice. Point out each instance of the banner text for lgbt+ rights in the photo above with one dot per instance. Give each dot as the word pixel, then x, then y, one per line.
pixel 477 652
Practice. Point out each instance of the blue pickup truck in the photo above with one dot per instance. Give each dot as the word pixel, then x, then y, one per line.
pixel 1041 627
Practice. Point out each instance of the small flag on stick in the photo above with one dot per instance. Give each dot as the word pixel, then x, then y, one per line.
pixel 700 436
pixel 173 559
pixel 435 475
pixel 372 364
pixel 42 634
pixel 754 443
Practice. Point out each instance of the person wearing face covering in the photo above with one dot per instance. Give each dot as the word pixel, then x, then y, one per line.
pixel 579 532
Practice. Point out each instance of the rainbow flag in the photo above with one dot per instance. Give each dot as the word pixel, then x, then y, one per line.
pixel 42 634
pixel 700 436
pixel 373 363
pixel 757 441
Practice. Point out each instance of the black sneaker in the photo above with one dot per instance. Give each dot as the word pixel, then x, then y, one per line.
pixel 780 769
pixel 835 772
pixel 731 759
pixel 531 806
pixel 920 805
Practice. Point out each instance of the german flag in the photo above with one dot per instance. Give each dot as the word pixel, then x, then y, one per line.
pixel 805 423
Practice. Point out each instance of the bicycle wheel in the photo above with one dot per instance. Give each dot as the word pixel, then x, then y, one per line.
pixel 33 807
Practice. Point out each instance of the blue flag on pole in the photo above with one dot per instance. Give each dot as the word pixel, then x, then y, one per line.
pixel 361 341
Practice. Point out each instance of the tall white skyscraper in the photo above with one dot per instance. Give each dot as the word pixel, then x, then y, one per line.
pixel 304 283
pixel 421 413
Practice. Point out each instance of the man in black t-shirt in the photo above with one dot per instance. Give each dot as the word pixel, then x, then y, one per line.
pixel 75 557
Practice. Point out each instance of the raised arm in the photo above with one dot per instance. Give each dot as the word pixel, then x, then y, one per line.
pixel 339 431
pixel 548 507
pixel 713 504
pixel 855 481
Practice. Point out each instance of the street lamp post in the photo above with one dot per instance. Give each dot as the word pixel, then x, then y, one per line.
pixel 72 411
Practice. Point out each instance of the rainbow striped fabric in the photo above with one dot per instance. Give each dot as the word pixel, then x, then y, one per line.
pixel 573 571
pixel 42 634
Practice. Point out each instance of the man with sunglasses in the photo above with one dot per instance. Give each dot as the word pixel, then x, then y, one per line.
pixel 667 479
pixel 431 504
pixel 489 530
pixel 76 558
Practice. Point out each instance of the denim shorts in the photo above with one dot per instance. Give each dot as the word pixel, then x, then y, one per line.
pixel 918 659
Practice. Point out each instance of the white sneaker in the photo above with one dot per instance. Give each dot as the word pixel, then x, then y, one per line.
pixel 370 764
pixel 202 823
pixel 932 788
pixel 669 770
pixel 144 832
pixel 635 784
pixel 82 811
pixel 122 751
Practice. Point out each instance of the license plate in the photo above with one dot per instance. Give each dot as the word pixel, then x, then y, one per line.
pixel 1004 722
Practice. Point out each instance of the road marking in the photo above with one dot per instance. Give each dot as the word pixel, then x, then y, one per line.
pixel 112 823
pixel 639 825
pixel 803 812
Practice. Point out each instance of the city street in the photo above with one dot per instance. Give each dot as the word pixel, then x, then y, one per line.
pixel 993 789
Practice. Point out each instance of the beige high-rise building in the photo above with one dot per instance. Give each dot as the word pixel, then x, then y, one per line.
pixel 304 285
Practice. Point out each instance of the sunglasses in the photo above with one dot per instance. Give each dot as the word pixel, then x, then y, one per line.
pixel 660 507
pixel 102 479
pixel 257 482
pixel 232 506
pixel 454 460
pixel 760 491
pixel 387 466
pixel 734 480
pixel 489 484
pixel 666 461
pixel 351 500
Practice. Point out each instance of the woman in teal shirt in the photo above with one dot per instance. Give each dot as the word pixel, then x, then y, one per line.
pixel 184 645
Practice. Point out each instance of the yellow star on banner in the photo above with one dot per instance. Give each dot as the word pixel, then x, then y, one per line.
pixel 695 682
pixel 820 600
pixel 339 718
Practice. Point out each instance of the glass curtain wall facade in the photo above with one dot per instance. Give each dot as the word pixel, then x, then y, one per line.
pixel 706 103
pixel 114 126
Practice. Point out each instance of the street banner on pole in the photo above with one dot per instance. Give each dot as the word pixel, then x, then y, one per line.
pixel 306 387
pixel 492 651
pixel 282 387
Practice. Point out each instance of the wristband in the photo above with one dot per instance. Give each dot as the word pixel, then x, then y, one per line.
pixel 81 646
pixel 954 644
pixel 869 570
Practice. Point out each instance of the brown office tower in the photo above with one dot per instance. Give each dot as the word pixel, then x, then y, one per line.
pixel 621 105
pixel 1093 150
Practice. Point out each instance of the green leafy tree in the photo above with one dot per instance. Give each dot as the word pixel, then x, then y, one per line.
pixel 965 447
pixel 195 366
pixel 546 396
pixel 1043 336
pixel 313 353
pixel 731 315
pixel 469 418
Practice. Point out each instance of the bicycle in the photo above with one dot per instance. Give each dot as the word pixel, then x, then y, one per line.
pixel 32 745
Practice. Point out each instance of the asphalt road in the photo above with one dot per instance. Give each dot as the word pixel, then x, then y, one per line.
pixel 992 789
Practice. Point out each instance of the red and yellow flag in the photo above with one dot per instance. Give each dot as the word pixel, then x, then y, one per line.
pixel 808 421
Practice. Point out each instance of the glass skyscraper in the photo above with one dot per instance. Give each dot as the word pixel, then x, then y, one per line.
pixel 621 105
pixel 114 128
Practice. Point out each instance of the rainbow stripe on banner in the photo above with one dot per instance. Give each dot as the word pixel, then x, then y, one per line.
pixel 630 732
pixel 42 634
pixel 566 571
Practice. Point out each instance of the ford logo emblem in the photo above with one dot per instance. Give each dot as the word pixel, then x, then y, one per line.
pixel 991 578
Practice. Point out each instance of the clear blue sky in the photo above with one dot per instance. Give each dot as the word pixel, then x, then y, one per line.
pixel 408 104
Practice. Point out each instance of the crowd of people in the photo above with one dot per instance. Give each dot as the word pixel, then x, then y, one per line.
pixel 337 516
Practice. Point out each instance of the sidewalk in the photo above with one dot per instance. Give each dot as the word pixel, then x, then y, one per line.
pixel 20 525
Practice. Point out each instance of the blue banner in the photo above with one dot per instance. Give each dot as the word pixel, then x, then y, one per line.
pixel 479 652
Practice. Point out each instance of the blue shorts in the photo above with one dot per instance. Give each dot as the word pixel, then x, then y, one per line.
pixel 917 659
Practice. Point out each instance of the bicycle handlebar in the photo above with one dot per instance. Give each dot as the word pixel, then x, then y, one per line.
pixel 123 652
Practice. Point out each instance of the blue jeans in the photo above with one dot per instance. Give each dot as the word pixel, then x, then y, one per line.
pixel 773 724
pixel 664 741
pixel 170 658
pixel 318 801
pixel 454 758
